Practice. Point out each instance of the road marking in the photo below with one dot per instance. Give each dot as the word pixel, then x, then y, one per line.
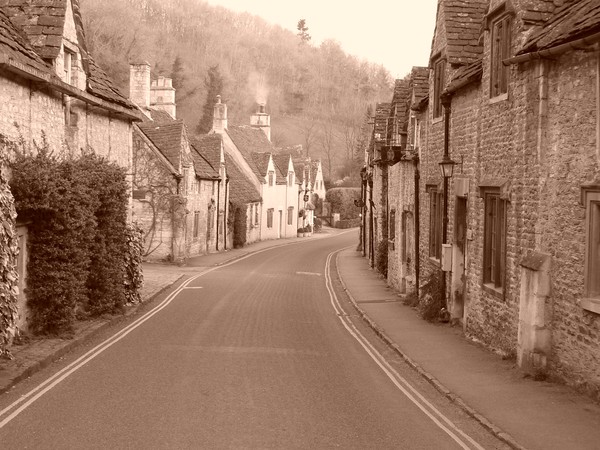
pixel 315 274
pixel 459 436
pixel 193 287
pixel 30 397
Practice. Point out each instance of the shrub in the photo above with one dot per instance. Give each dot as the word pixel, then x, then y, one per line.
pixel 342 202
pixel 8 269
pixel 430 300
pixel 76 214
pixel 134 277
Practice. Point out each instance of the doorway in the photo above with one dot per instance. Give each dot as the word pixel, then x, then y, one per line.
pixel 458 292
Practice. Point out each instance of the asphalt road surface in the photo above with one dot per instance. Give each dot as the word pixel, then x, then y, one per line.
pixel 265 352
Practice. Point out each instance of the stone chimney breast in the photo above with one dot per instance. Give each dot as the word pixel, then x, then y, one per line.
pixel 162 95
pixel 219 116
pixel 139 84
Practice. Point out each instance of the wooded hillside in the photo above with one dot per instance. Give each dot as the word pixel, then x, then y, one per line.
pixel 259 62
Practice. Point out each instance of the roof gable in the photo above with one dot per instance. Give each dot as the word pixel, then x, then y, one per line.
pixel 249 140
pixel 460 21
pixel 168 138
pixel 419 84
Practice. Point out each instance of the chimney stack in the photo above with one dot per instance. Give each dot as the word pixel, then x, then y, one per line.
pixel 220 116
pixel 162 95
pixel 260 119
pixel 139 84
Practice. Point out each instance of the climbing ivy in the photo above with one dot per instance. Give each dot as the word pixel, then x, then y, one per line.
pixel 134 277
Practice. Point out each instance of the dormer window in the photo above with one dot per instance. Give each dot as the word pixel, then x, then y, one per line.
pixel 500 50
pixel 271 177
pixel 290 179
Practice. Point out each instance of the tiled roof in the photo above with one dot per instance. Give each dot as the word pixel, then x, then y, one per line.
pixel 463 25
pixel 262 162
pixel 399 110
pixel 419 83
pixel 536 13
pixel 249 140
pixel 101 86
pixel 159 115
pixel 202 167
pixel 42 20
pixel 573 20
pixel 167 137
pixel 241 190
pixel 18 49
pixel 282 163
pixel 465 76
pixel 209 146
pixel 382 112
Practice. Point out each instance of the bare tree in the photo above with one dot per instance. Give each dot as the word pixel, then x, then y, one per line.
pixel 308 129
pixel 327 140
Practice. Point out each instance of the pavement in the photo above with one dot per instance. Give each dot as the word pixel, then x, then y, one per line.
pixel 523 412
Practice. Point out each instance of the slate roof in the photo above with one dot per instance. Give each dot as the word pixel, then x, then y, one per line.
pixel 382 112
pixel 465 76
pixel 282 163
pixel 209 146
pixel 249 140
pixel 167 137
pixel 159 115
pixel 16 48
pixel 241 190
pixel 42 22
pixel 463 26
pixel 399 109
pixel 262 162
pixel 203 167
pixel 419 83
pixel 573 20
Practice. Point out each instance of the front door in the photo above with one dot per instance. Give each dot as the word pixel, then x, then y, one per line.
pixel 458 259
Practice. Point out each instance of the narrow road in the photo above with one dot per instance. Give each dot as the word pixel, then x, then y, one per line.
pixel 265 352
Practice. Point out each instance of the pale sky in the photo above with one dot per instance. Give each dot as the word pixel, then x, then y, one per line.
pixel 395 33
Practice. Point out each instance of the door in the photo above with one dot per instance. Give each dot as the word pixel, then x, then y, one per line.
pixel 458 257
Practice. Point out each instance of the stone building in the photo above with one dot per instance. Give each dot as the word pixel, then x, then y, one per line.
pixel 513 99
pixel 180 186
pixel 52 93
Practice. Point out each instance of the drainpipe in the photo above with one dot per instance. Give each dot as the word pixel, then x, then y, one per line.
pixel 226 208
pixel 218 212
pixel 371 236
pixel 446 103
pixel 417 224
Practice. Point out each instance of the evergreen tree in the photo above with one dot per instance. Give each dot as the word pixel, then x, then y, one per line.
pixel 177 73
pixel 214 86
pixel 303 31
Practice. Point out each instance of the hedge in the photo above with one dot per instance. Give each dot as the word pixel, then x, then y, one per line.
pixel 76 211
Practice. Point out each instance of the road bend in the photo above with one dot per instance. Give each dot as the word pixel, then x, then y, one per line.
pixel 264 352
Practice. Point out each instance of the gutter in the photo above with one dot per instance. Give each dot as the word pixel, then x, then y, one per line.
pixel 579 44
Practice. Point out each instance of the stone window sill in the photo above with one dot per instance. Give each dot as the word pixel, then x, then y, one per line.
pixel 493 290
pixel 437 119
pixel 499 98
pixel 591 304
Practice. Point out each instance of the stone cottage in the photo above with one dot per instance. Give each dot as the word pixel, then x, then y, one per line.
pixel 53 93
pixel 180 187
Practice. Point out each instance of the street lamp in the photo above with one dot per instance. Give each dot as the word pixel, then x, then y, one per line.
pixel 447 167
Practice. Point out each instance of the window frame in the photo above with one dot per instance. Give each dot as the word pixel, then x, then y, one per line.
pixel 590 199
pixel 290 218
pixel 500 28
pixel 271 177
pixel 495 210
pixel 290 178
pixel 270 214
pixel 196 225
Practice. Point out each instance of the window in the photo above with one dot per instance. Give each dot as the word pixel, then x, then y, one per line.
pixel 500 50
pixel 494 241
pixel 290 218
pixel 439 79
pixel 435 223
pixel 290 179
pixel 392 225
pixel 69 61
pixel 591 201
pixel 256 214
pixel 271 177
pixel 270 212
pixel 196 223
